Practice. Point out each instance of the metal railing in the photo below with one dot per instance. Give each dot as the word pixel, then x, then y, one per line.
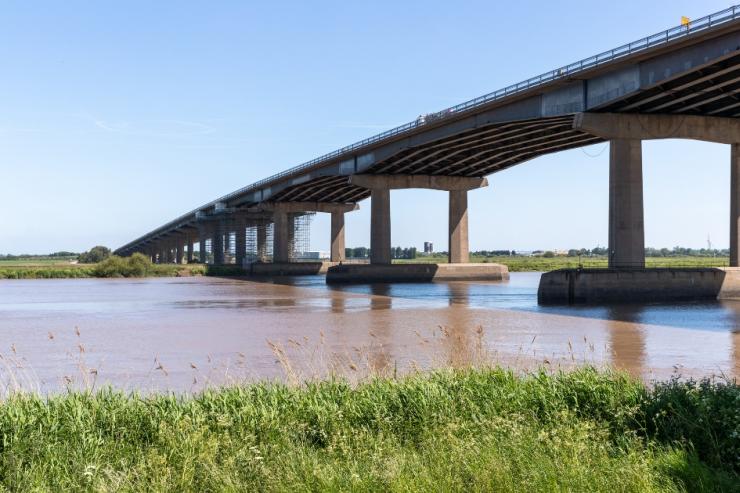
pixel 658 39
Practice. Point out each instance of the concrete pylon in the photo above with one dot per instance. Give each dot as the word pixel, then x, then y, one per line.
pixel 337 237
pixel 179 252
pixel 458 227
pixel 261 242
pixel 190 249
pixel 217 244
pixel 626 215
pixel 734 205
pixel 380 226
pixel 240 240
pixel 281 236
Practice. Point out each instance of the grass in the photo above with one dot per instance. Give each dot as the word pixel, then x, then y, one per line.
pixel 542 264
pixel 449 430
pixel 135 266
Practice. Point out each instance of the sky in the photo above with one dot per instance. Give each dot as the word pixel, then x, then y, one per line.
pixel 116 117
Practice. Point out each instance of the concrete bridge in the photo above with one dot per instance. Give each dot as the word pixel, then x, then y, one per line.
pixel 679 83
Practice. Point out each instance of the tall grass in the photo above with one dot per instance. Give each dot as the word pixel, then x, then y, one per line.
pixel 449 430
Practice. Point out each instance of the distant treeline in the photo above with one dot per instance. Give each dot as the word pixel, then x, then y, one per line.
pixel 396 252
pixel 24 256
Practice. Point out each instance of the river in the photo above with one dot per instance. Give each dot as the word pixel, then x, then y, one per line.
pixel 184 334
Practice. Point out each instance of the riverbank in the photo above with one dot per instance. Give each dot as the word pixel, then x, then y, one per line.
pixel 545 264
pixel 54 269
pixel 449 430
pixel 134 266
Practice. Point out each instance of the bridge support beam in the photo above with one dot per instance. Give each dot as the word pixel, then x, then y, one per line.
pixel 240 240
pixel 380 227
pixel 261 242
pixel 337 237
pixel 337 211
pixel 179 251
pixel 626 215
pixel 281 248
pixel 217 243
pixel 459 251
pixel 190 249
pixel 735 205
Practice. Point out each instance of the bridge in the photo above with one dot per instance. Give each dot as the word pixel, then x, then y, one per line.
pixel 680 83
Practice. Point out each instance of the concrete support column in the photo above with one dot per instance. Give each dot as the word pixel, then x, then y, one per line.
pixel 240 240
pixel 337 237
pixel 217 244
pixel 261 242
pixel 459 252
pixel 190 249
pixel 281 236
pixel 734 205
pixel 626 216
pixel 179 253
pixel 380 226
pixel 202 254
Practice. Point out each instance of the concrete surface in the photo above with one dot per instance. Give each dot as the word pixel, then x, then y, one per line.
pixel 371 273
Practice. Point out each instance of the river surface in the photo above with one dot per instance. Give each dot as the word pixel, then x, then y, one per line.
pixel 184 334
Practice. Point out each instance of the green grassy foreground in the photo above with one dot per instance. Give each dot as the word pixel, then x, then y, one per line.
pixel 465 430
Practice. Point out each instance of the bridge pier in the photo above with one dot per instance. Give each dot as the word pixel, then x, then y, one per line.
pixel 190 249
pixel 281 246
pixel 217 243
pixel 626 213
pixel 261 241
pixel 336 250
pixel 381 268
pixel 627 278
pixel 240 240
pixel 179 252
pixel 380 226
pixel 459 250
pixel 735 205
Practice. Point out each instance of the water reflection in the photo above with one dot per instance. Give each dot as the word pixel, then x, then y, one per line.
pixel 381 297
pixel 627 338
pixel 736 352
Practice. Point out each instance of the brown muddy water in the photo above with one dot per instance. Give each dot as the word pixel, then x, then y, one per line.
pixel 184 334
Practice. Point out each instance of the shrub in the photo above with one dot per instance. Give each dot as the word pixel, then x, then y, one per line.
pixel 136 265
pixel 704 415
pixel 95 255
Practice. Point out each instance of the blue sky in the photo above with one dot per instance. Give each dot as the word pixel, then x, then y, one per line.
pixel 116 117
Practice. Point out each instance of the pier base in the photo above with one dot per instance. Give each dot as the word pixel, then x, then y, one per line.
pixel 375 273
pixel 288 268
pixel 572 286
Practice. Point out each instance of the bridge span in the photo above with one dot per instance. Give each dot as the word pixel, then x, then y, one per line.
pixel 680 83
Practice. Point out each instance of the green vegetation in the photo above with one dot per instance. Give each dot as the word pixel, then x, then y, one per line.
pixel 136 265
pixel 451 430
pixel 543 264
pixel 95 255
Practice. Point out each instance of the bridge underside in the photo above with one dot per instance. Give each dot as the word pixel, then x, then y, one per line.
pixel 709 90
pixel 473 153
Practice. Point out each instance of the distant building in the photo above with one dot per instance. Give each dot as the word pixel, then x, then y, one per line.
pixel 318 255
pixel 428 247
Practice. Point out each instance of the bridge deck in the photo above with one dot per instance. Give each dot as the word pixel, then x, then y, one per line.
pixel 691 69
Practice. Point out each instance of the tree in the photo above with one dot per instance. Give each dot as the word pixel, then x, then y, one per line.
pixel 95 255
pixel 549 254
